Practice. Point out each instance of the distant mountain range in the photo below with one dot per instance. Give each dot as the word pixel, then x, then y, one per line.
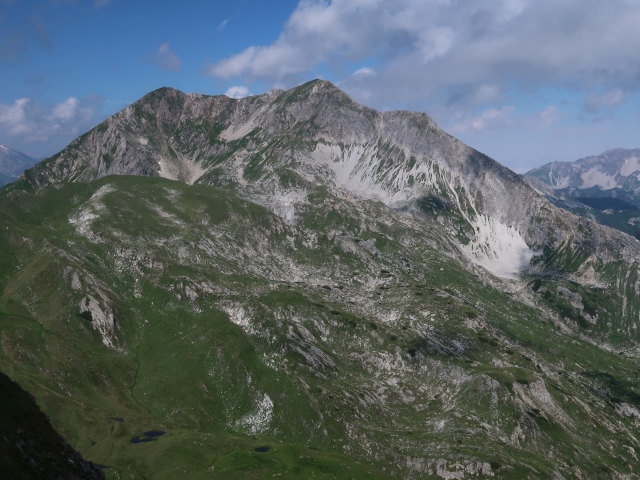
pixel 603 187
pixel 12 164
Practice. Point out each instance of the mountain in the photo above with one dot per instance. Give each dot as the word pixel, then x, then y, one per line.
pixel 12 164
pixel 29 447
pixel 603 187
pixel 313 134
pixel 293 284
pixel 617 168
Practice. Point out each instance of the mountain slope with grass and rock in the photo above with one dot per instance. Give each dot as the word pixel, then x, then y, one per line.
pixel 293 284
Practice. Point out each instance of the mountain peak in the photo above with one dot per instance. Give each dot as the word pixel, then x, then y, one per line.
pixel 161 94
pixel 320 83
pixel 163 91
pixel 319 88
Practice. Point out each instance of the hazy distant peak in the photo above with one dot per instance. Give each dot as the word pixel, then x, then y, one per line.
pixel 12 164
pixel 615 168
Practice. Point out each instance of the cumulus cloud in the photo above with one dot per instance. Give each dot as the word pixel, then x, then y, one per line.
pixel 167 58
pixel 503 118
pixel 490 118
pixel 238 91
pixel 452 51
pixel 26 122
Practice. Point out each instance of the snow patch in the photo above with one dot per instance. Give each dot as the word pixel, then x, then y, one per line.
pixel 498 248
pixel 143 141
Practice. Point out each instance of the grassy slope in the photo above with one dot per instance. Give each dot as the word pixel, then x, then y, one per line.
pixel 372 344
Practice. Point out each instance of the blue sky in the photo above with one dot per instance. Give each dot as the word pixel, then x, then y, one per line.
pixel 525 81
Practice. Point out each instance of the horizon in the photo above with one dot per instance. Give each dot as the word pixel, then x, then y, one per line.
pixel 502 78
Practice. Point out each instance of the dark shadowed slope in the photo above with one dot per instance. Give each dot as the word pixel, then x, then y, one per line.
pixel 30 448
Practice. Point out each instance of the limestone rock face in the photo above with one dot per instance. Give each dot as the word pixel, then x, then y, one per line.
pixel 271 147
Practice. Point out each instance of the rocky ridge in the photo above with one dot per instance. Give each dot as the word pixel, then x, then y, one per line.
pixel 316 134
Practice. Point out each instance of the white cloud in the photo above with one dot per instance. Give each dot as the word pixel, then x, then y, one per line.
pixel 504 118
pixel 545 118
pixel 13 117
pixel 485 94
pixel 491 118
pixel 364 72
pixel 223 24
pixel 435 42
pixel 166 58
pixel 474 66
pixel 238 91
pixel 27 121
pixel 66 110
pixel 441 52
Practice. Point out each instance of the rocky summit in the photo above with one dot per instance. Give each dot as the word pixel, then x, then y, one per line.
pixel 296 285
